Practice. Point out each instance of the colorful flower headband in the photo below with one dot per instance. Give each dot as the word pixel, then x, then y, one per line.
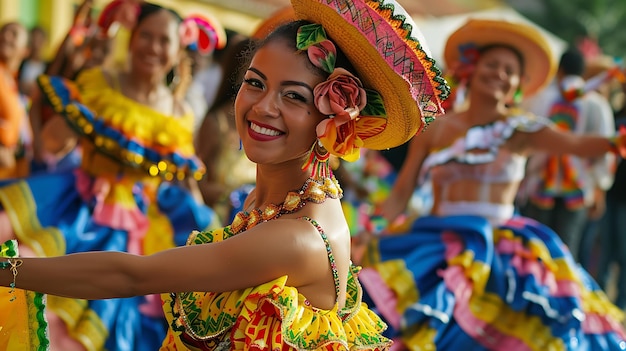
pixel 116 13
pixel 355 113
pixel 462 71
pixel 201 33
pixel 197 32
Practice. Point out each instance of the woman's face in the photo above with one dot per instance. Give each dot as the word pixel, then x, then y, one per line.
pixel 13 42
pixel 497 73
pixel 274 109
pixel 154 44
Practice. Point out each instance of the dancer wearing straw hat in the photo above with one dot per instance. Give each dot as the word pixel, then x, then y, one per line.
pixel 346 75
pixel 473 276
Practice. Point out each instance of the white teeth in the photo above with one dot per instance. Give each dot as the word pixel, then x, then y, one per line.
pixel 262 130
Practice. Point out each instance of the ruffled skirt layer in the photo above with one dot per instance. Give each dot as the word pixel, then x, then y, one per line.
pixel 51 215
pixel 457 283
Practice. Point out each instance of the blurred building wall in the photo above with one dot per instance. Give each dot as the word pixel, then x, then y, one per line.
pixel 56 16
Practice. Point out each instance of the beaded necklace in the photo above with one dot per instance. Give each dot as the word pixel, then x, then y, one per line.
pixel 313 190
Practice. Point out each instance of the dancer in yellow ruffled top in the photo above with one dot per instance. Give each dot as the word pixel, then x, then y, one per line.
pixel 346 75
pixel 132 191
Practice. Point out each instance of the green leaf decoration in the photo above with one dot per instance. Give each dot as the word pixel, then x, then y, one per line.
pixel 375 105
pixel 310 34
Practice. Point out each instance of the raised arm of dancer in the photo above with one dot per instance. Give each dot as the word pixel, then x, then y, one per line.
pixel 558 142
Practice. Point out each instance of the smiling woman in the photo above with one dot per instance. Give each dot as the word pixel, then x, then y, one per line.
pixel 269 91
pixel 279 277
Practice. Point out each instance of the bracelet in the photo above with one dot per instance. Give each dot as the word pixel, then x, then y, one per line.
pixel 12 263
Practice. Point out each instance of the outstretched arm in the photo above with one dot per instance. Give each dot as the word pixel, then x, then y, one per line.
pixel 289 247
pixel 557 142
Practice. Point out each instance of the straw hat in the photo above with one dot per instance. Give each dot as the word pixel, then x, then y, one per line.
pixel 540 62
pixel 389 56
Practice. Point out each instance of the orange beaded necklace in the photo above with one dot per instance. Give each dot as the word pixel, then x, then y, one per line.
pixel 313 190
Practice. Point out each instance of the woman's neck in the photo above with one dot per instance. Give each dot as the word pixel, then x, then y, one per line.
pixel 484 111
pixel 141 88
pixel 275 181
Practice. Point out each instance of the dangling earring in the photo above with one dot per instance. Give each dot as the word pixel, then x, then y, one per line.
pixel 318 162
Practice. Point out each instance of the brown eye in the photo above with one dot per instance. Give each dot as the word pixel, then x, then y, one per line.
pixel 253 83
pixel 296 96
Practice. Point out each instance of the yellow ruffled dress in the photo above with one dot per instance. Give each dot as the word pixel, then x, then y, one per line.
pixel 271 316
pixel 123 197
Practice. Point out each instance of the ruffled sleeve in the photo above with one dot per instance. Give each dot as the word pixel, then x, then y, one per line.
pixel 269 317
pixel 131 133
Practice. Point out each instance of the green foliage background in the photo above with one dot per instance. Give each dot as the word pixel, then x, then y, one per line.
pixel 571 20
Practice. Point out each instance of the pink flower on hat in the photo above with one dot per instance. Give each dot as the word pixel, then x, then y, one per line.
pixel 342 97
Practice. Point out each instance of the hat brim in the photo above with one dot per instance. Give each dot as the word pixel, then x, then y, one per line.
pixel 381 42
pixel 539 60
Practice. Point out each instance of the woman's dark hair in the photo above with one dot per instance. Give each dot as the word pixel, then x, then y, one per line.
pixel 518 54
pixel 234 61
pixel 146 9
pixel 572 62
pixel 288 33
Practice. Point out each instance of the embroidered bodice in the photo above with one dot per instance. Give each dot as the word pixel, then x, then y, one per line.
pixel 270 316
pixel 479 156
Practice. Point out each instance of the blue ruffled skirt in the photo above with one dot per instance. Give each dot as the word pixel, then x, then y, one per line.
pixel 51 216
pixel 457 283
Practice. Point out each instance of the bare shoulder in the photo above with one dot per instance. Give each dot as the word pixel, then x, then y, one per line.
pixel 313 219
pixel 443 120
pixel 440 131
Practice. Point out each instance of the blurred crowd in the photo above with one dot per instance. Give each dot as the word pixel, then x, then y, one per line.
pixel 582 199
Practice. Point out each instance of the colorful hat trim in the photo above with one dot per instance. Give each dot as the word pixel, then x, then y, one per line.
pixel 381 42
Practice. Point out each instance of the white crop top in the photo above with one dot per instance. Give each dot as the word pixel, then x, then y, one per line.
pixel 478 155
